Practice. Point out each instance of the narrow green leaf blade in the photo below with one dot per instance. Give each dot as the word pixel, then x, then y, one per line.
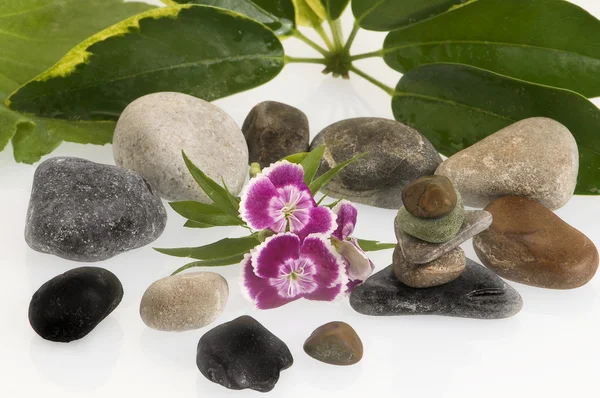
pixel 318 183
pixel 311 163
pixel 208 214
pixel 550 42
pixel 221 249
pixel 386 15
pixel 296 158
pixel 278 15
pixel 217 193
pixel 197 224
pixel 374 245
pixel 470 103
pixel 211 263
pixel 199 50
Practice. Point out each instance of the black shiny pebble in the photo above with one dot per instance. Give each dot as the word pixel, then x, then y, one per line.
pixel 71 305
pixel 243 354
pixel 477 293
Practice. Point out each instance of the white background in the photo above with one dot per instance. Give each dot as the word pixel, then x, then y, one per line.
pixel 550 349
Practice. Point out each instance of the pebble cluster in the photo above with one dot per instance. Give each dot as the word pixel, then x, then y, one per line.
pixel 85 211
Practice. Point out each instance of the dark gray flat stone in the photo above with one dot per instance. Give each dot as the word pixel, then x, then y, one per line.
pixel 477 293
pixel 417 251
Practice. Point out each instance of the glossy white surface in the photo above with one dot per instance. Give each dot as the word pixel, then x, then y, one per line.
pixel 550 349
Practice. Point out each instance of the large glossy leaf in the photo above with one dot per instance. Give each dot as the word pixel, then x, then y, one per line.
pixel 204 51
pixel 305 15
pixel 34 34
pixel 278 15
pixel 551 42
pixel 328 9
pixel 456 105
pixel 386 15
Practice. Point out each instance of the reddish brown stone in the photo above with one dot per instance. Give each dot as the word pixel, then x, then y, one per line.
pixel 335 343
pixel 528 243
pixel 429 197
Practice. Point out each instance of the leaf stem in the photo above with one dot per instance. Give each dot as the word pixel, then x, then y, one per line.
pixel 372 80
pixel 336 31
pixel 351 38
pixel 373 54
pixel 300 60
pixel 324 36
pixel 297 34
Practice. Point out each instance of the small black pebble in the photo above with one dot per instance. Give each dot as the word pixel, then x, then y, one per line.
pixel 243 354
pixel 71 305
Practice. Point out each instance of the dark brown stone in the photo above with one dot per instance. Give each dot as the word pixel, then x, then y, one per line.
pixel 440 271
pixel 335 343
pixel 528 243
pixel 273 131
pixel 429 197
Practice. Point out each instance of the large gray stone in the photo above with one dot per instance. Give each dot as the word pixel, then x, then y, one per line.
pixel 397 154
pixel 184 302
pixel 85 211
pixel 477 293
pixel 154 129
pixel 535 158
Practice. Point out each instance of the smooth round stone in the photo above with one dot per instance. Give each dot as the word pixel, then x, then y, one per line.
pixel 273 131
pixel 154 129
pixel 335 343
pixel 442 270
pixel 86 211
pixel 396 155
pixel 528 243
pixel 243 354
pixel 184 302
pixel 71 305
pixel 536 158
pixel 437 230
pixel 429 197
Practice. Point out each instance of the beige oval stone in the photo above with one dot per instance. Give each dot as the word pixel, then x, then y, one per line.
pixel 440 271
pixel 536 158
pixel 184 302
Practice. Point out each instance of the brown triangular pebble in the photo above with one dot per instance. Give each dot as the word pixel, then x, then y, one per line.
pixel 335 343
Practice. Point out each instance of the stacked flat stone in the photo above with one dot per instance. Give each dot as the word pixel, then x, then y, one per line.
pixel 430 226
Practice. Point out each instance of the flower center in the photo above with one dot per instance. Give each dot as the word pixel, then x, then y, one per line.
pixel 295 278
pixel 291 208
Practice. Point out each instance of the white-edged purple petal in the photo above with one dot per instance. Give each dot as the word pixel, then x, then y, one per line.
pixel 347 215
pixel 284 173
pixel 359 266
pixel 271 258
pixel 258 290
pixel 327 293
pixel 321 221
pixel 330 266
pixel 255 203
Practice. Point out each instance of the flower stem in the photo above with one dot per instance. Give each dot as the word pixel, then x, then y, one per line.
pixel 336 31
pixel 321 61
pixel 297 34
pixel 324 36
pixel 373 54
pixel 371 79
pixel 351 38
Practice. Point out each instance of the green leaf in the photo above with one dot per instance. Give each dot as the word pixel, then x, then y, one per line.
pixel 328 9
pixel 211 263
pixel 316 185
pixel 217 193
pixel 311 163
pixel 470 103
pixel 374 245
pixel 35 34
pixel 386 15
pixel 199 50
pixel 197 224
pixel 278 15
pixel 209 214
pixel 550 42
pixel 221 249
pixel 296 158
pixel 305 15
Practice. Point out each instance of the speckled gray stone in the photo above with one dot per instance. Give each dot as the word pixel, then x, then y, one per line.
pixel 477 293
pixel 154 129
pixel 418 251
pixel 184 302
pixel 273 131
pixel 243 354
pixel 535 158
pixel 397 155
pixel 85 211
pixel 435 230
